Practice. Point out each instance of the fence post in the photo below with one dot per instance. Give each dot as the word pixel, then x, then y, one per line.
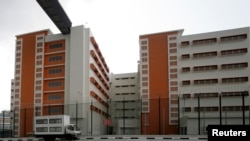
pixel 220 109
pixel 91 116
pixel 13 126
pixel 76 113
pixel 141 115
pixel 179 122
pixel 243 107
pixel 3 122
pixel 159 109
pixel 123 116
pixel 199 115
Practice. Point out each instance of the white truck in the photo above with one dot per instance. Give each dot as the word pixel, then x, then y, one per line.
pixel 55 126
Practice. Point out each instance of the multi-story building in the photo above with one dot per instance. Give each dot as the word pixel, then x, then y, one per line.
pixel 204 78
pixel 158 82
pixel 213 79
pixel 60 74
pixel 63 73
pixel 5 125
pixel 124 104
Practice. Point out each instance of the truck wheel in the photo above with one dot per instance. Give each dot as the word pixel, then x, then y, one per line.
pixel 49 138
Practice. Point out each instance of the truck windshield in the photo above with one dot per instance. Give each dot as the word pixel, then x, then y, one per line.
pixel 73 127
pixel 70 127
pixel 77 128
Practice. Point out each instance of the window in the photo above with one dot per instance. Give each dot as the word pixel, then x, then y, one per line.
pixel 55 71
pixel 18 48
pixel 172 70
pixel 206 95
pixel 173 75
pixel 56 120
pixel 186 95
pixel 144 90
pixel 144 59
pixel 173 51
pixel 144 42
pixel 55 58
pixel 39 57
pixel 54 46
pixel 172 45
pixel 205 68
pixel 39 38
pixel 172 83
pixel 39 62
pixel 206 81
pixel 234 66
pixel 144 71
pixel 144 78
pixel 185 43
pixel 187 109
pixel 234 108
pixel 41 121
pixel 173 63
pixel 173 57
pixel 39 50
pixel 144 47
pixel 54 96
pixel 55 110
pixel 204 41
pixel 205 54
pixel 144 54
pixel 55 84
pixel 55 129
pixel 233 37
pixel 185 69
pixel 186 82
pixel 206 109
pixel 40 44
pixel 144 66
pixel 18 42
pixel 42 129
pixel 173 88
pixel 234 79
pixel 144 83
pixel 234 51
pixel 172 38
pixel 236 93
pixel 185 56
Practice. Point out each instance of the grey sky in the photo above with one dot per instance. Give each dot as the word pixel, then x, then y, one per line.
pixel 116 25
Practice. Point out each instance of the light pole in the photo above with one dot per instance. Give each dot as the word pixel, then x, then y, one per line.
pixel 243 107
pixel 77 109
pixel 199 114
pixel 76 112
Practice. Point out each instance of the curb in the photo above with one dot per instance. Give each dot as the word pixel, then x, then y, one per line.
pixel 118 138
pixel 20 139
pixel 149 138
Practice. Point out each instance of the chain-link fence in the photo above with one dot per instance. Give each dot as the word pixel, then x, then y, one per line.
pixel 184 115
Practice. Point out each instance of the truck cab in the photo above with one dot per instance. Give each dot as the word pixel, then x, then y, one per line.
pixel 73 131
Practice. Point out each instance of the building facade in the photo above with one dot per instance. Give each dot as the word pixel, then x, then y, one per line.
pixel 125 104
pixel 204 78
pixel 158 82
pixel 5 124
pixel 60 74
pixel 213 79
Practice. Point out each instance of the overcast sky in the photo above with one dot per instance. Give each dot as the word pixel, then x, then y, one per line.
pixel 116 25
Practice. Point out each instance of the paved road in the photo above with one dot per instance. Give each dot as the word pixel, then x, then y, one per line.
pixel 125 138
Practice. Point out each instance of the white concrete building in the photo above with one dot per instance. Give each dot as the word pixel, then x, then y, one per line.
pixel 60 74
pixel 211 66
pixel 124 104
